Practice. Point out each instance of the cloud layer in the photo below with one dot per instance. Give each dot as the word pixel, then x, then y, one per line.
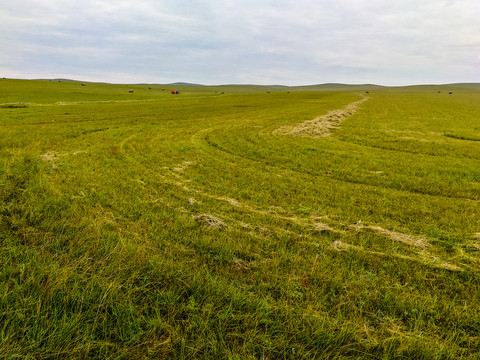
pixel 289 42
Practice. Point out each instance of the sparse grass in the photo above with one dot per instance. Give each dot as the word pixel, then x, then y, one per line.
pixel 148 225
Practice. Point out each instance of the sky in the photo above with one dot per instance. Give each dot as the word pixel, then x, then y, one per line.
pixel 287 42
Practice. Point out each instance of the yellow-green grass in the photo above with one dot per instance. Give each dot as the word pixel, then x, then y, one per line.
pixel 150 225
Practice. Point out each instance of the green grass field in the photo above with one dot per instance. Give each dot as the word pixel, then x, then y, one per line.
pixel 151 225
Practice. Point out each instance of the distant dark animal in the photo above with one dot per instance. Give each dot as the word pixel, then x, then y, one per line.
pixel 130 91
pixel 83 84
pixel 450 93
pixel 149 88
pixel 367 92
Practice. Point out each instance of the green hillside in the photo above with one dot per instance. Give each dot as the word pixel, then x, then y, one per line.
pixel 239 222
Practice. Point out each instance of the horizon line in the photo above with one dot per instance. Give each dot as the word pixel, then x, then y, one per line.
pixel 184 83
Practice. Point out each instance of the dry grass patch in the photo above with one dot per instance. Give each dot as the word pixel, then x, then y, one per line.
pixel 210 221
pixel 413 240
pixel 321 126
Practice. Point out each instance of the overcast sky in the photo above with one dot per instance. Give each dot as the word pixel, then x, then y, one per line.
pixel 290 42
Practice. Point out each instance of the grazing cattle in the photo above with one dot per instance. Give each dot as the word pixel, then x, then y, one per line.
pixel 130 91
pixel 83 84
pixel 450 93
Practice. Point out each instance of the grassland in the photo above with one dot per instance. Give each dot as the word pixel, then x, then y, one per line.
pixel 151 225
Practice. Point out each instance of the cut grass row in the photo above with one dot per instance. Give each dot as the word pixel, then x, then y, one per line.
pixel 184 227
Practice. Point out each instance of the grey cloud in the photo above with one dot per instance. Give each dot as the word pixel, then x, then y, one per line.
pixel 284 41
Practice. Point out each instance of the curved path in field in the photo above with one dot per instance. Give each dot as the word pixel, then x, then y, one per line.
pixel 272 218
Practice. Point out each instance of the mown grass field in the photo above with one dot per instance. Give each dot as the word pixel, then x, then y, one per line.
pixel 151 225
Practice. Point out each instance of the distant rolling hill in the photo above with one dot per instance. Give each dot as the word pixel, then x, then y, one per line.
pixel 475 86
pixel 317 87
pixel 184 84
pixel 337 86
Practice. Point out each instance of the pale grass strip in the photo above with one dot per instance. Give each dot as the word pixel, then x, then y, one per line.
pixel 322 125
